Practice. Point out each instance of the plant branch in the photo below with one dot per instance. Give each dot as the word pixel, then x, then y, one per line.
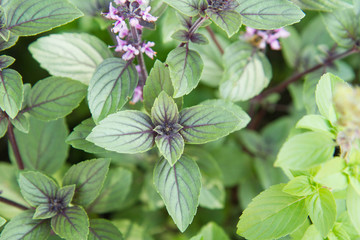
pixel 14 145
pixel 12 203
pixel 213 37
pixel 140 57
pixel 282 86
pixel 195 27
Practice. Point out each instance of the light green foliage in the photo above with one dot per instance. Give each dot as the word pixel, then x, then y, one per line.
pixel 185 67
pixel 305 150
pixel 331 174
pixel 269 14
pixel 272 214
pixel 291 47
pixel 44 147
pixel 179 186
pixel 316 123
pixel 312 233
pixel 101 229
pixel 36 16
pixel 321 5
pixel 300 186
pixel 187 7
pixel 89 177
pixel 73 55
pixel 247 72
pixel 71 224
pixel 112 84
pixel 6 61
pixel 229 21
pixel 11 92
pixel 211 231
pixel 2 221
pixel 352 203
pixel 55 97
pixel 24 227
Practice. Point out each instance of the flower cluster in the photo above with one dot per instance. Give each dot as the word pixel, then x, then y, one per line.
pixel 259 38
pixel 136 14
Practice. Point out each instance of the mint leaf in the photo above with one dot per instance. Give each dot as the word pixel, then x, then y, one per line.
pixel 300 186
pixel 72 223
pixel 211 231
pixel 247 72
pixel 269 14
pixel 73 55
pixel 159 80
pixel 185 67
pixel 24 227
pixel 6 61
pixel 170 146
pixel 11 92
pixel 316 123
pixel 322 210
pixel 229 21
pixel 101 229
pixel 112 84
pixel 89 177
pixel 36 16
pixel 275 208
pixel 179 186
pixel 55 97
pixel 202 124
pixel 124 132
pixel 187 7
pixel 37 188
pixel 305 151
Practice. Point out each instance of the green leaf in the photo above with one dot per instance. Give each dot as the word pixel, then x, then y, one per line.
pixel 24 227
pixel 2 221
pixel 77 138
pixel 164 111
pixel 247 72
pixel 199 38
pixel 179 186
pixel 3 124
pixel 170 146
pixel 112 84
pixel 321 5
pixel 92 7
pixel 187 7
pixel 300 186
pixel 55 97
pixel 72 223
pixel 269 14
pixel 37 188
pixel 11 92
pixel 8 44
pixel 272 214
pixel 6 61
pixel 352 203
pixel 44 147
pixel 291 47
pixel 44 211
pixel 305 151
pixel 242 116
pixel 101 229
pixel 322 210
pixel 211 231
pixel 73 55
pixel 356 4
pixel 159 80
pixel 343 26
pixel 229 21
pixel 324 95
pixel 181 35
pixel 114 191
pixel 331 174
pixel 202 124
pixel 21 122
pixel 338 232
pixel 124 132
pixel 36 16
pixel 66 194
pixel 185 67
pixel 312 233
pixel 89 177
pixel 316 123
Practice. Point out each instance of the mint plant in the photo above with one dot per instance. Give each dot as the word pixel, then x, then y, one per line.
pixel 179 105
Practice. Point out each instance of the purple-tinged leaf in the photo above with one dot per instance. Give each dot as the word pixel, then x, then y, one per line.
pixel 164 112
pixel 229 21
pixel 66 194
pixel 181 35
pixel 202 124
pixel 37 188
pixel 44 211
pixel 170 146
pixel 199 38
pixel 187 7
pixel 8 44
pixel 89 177
pixel 72 223
pixel 11 92
pixel 124 132
pixel 6 61
pixel 101 229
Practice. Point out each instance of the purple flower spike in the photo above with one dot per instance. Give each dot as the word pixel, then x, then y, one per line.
pixel 260 38
pixel 130 52
pixel 135 23
pixel 147 16
pixel 121 28
pixel 113 13
pixel 120 2
pixel 120 44
pixel 146 48
pixel 138 95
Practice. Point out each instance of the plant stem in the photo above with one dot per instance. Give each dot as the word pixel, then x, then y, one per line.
pixel 14 145
pixel 12 203
pixel 140 57
pixel 213 37
pixel 282 86
pixel 195 27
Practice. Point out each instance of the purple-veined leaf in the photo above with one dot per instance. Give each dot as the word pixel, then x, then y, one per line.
pixel 8 44
pixel 101 229
pixel 11 92
pixel 44 211
pixel 179 186
pixel 112 84
pixel 187 7
pixel 229 21
pixel 6 61
pixel 92 7
pixel 164 111
pixel 124 132
pixel 203 123
pixel 170 146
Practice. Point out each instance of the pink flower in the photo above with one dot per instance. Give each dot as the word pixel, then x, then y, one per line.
pixel 120 2
pixel 138 95
pixel 120 44
pixel 135 23
pixel 113 13
pixel 130 52
pixel 147 16
pixel 146 48
pixel 121 28
pixel 260 38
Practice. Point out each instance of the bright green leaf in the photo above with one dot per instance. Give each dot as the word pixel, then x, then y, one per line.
pixel 112 84
pixel 338 233
pixel 322 210
pixel 185 67
pixel 211 231
pixel 229 21
pixel 269 14
pixel 89 177
pixel 187 7
pixel 72 223
pixel 179 186
pixel 101 229
pixel 2 221
pixel 316 123
pixel 72 55
pixel 11 92
pixel 300 186
pixel 312 233
pixel 272 214
pixel 331 174
pixel 306 150
pixel 36 16
pixel 6 61
pixel 124 132
pixel 55 97
pixel 352 203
